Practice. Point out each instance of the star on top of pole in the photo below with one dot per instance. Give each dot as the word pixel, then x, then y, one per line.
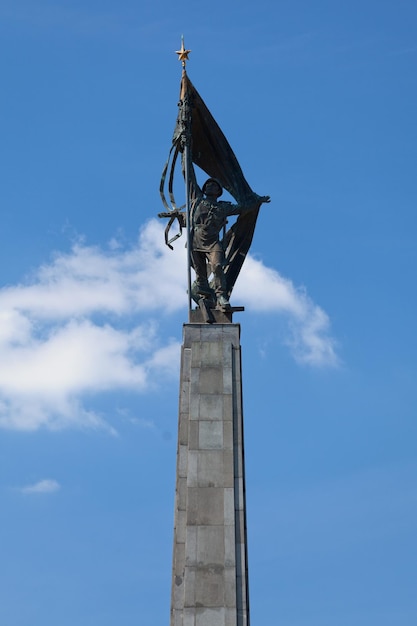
pixel 183 53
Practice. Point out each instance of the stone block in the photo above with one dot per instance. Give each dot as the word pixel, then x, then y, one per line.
pixel 227 350
pixel 194 380
pixel 228 468
pixel 189 618
pixel 189 587
pixel 182 461
pixel 230 587
pixel 209 587
pixel 211 406
pixel 231 334
pixel 210 468
pixel 227 382
pixel 191 546
pixel 229 546
pixel 229 506
pixel 210 546
pixel 228 407
pixel 179 560
pixel 211 380
pixel 191 334
pixel 184 397
pixel 185 364
pixel 193 435
pixel 196 354
pixel 228 435
pixel 210 435
pixel 231 618
pixel 183 429
pixel 210 617
pixel 212 333
pixel 178 592
pixel 211 353
pixel 193 468
pixel 180 527
pixel 205 506
pixel 177 618
pixel 181 493
pixel 195 406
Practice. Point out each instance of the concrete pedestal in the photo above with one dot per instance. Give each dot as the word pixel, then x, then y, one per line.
pixel 210 573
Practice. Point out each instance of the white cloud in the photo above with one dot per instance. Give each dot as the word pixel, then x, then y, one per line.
pixel 262 289
pixel 89 280
pixel 43 486
pixel 81 325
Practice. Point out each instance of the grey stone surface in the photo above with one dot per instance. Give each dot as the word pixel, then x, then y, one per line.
pixel 189 587
pixel 209 583
pixel 211 380
pixel 181 493
pixel 182 460
pixel 210 546
pixel 205 506
pixel 180 526
pixel 189 618
pixel 191 543
pixel 210 407
pixel 210 436
pixel 212 353
pixel 211 617
pixel 209 587
pixel 183 429
pixel 227 435
pixel 227 380
pixel 228 506
pixel 228 407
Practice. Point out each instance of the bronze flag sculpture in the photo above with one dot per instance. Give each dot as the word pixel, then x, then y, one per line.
pixel 215 252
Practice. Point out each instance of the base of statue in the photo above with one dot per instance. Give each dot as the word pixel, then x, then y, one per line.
pixel 210 569
pixel 207 315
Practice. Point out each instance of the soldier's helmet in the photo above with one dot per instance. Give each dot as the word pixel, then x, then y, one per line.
pixel 213 180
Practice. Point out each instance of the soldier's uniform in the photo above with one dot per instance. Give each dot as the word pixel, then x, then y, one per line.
pixel 207 220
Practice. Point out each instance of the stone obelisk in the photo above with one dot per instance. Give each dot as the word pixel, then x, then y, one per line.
pixel 210 572
pixel 210 569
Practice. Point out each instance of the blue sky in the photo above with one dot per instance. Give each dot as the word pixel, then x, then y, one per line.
pixel 318 101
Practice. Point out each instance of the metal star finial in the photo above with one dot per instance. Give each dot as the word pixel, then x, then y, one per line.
pixel 183 53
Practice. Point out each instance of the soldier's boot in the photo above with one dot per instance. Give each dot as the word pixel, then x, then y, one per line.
pixel 220 287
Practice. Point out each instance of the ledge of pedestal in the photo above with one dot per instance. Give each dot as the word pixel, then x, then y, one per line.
pixel 198 316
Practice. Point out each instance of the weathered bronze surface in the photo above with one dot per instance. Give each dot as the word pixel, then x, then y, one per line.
pixel 216 251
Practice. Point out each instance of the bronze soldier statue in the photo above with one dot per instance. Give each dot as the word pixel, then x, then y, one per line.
pixel 208 219
pixel 216 253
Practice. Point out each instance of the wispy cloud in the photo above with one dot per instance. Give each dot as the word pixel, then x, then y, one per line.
pixel 90 322
pixel 263 289
pixel 89 279
pixel 43 486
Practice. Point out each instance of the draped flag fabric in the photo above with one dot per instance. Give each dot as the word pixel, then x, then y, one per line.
pixel 210 151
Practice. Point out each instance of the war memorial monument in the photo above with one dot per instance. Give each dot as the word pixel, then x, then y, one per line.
pixel 210 565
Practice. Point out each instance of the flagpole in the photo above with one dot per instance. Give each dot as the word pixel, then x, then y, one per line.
pixel 188 220
pixel 186 117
